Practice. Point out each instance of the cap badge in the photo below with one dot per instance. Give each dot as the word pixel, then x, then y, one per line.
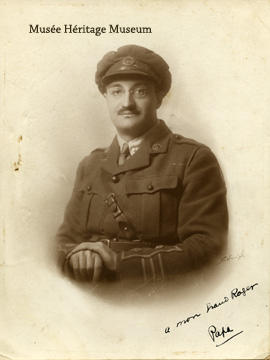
pixel 128 60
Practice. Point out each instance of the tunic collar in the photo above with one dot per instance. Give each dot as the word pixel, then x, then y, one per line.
pixel 155 141
pixel 134 144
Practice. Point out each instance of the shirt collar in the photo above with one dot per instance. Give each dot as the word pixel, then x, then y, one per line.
pixel 134 144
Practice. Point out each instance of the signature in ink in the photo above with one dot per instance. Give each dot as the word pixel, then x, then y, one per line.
pixel 214 334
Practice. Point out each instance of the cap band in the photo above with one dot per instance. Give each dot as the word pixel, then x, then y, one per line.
pixel 130 65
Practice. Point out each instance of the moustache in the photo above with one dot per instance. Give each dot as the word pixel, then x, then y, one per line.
pixel 128 109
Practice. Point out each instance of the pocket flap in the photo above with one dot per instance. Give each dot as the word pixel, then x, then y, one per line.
pixel 151 184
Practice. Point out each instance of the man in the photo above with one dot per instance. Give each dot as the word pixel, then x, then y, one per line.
pixel 152 204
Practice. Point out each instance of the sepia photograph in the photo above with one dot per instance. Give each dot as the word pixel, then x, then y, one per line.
pixel 135 179
pixel 153 203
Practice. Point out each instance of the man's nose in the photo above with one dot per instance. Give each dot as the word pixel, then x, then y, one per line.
pixel 128 99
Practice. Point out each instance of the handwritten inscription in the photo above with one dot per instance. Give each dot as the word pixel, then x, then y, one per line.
pixel 187 319
pixel 215 334
pixel 210 306
pixel 236 292
pixel 230 257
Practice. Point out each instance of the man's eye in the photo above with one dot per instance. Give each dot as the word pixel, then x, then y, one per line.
pixel 115 92
pixel 141 92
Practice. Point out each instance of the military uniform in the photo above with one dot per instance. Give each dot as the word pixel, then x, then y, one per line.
pixel 163 212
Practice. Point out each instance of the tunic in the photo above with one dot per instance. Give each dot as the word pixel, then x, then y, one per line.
pixel 163 211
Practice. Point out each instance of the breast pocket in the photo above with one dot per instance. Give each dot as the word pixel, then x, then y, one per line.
pixel 153 202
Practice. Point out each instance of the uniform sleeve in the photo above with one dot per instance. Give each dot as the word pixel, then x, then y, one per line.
pixel 202 224
pixel 70 233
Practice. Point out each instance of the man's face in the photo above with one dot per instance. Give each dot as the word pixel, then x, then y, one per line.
pixel 132 104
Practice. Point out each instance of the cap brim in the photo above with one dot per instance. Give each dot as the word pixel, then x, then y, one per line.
pixel 124 73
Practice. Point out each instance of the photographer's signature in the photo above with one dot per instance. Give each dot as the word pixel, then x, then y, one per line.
pixel 224 334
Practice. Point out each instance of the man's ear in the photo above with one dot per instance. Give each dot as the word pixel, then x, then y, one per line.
pixel 159 99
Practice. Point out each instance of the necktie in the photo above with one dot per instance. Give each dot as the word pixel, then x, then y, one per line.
pixel 124 154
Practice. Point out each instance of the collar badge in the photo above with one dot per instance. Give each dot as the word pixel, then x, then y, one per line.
pixel 156 147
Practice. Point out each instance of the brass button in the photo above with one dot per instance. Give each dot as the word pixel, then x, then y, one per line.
pixel 114 239
pixel 89 187
pixel 150 187
pixel 115 179
pixel 125 228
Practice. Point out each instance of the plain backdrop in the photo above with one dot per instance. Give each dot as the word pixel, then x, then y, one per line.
pixel 52 115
